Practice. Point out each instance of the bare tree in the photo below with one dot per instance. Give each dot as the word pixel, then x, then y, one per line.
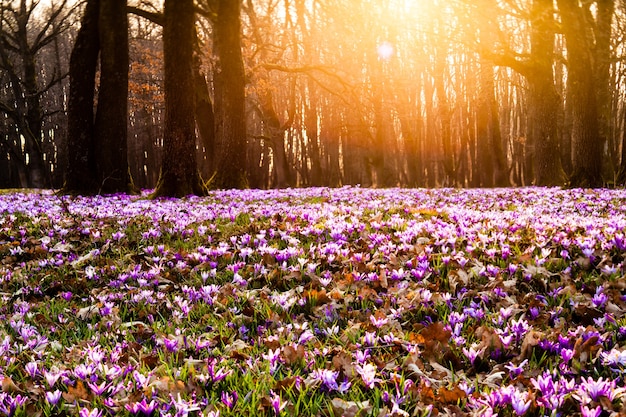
pixel 22 37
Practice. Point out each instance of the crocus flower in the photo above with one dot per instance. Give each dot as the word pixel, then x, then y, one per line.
pixel 378 322
pixel 9 404
pixel 614 358
pixel 32 369
pixel 520 402
pixel 472 354
pixel 327 377
pixel 516 370
pixel 274 357
pixel 229 399
pixel 590 412
pixel 53 397
pixel 592 390
pixel 183 407
pixel 143 407
pixel 277 404
pixel 85 412
pixel 368 374
pixel 219 374
pixel 98 389
pixel 171 344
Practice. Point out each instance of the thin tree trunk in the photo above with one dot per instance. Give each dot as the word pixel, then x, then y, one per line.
pixel 205 119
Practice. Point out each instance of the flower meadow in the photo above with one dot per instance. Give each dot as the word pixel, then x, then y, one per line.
pixel 314 302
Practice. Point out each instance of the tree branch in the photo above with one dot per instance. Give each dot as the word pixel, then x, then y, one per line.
pixel 154 17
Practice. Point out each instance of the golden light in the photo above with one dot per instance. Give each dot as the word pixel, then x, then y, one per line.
pixel 385 50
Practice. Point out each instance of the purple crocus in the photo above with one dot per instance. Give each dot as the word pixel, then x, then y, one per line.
pixel 216 375
pixel 171 344
pixel 229 399
pixel 143 407
pixel 520 402
pixel 277 404
pixel 85 412
pixel 368 374
pixel 327 377
pixel 32 369
pixel 9 404
pixel 590 411
pixel 53 397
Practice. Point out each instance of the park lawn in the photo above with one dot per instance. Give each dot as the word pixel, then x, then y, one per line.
pixel 314 302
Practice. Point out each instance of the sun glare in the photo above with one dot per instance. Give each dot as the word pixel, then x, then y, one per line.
pixel 385 50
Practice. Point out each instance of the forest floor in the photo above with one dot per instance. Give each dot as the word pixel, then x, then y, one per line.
pixel 314 302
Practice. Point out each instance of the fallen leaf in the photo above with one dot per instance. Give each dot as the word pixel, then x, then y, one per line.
pixel 9 386
pixel 584 350
pixel 450 395
pixel 286 384
pixel 293 355
pixel 88 312
pixel 315 297
pixel 75 393
pixel 343 408
pixel 532 339
pixel 343 362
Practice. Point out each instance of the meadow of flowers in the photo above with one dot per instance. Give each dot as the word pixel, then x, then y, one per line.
pixel 314 302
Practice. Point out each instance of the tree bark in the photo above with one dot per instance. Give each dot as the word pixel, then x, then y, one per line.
pixel 205 119
pixel 543 98
pixel 602 68
pixel 229 98
pixel 81 173
pixel 586 137
pixel 112 112
pixel 179 174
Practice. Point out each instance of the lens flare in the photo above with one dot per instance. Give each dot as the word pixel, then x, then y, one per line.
pixel 385 50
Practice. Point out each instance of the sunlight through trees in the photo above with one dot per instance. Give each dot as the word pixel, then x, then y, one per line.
pixel 322 92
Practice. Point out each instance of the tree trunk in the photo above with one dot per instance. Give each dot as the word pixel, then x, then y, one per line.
pixel 112 112
pixel 586 138
pixel 543 98
pixel 602 70
pixel 80 173
pixel 483 139
pixel 205 119
pixel 501 170
pixel 230 128
pixel 621 174
pixel 179 174
pixel 444 112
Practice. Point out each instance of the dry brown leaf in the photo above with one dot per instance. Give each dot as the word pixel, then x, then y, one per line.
pixel 286 384
pixel 293 355
pixel 436 331
pixel 315 297
pixel 77 392
pixel 9 386
pixel 584 350
pixel 343 408
pixel 167 385
pixel 450 395
pixel 343 362
pixel 489 340
pixel 532 339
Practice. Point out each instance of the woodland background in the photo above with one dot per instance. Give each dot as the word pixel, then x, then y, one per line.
pixel 418 93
